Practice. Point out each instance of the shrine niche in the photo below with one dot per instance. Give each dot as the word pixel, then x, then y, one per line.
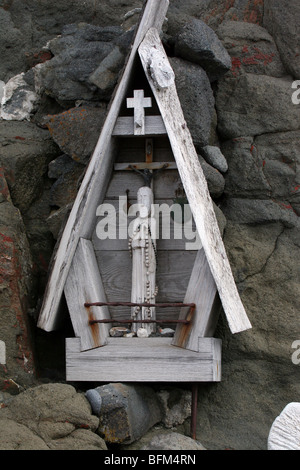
pixel 138 276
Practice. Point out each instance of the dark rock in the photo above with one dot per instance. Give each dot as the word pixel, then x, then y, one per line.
pixel 281 19
pixel 127 413
pixel 215 180
pixel 64 190
pixel 105 76
pixel 77 131
pixel 260 211
pixel 95 400
pixel 15 298
pixel 251 48
pixel 77 54
pixel 263 167
pixel 253 104
pixel 198 43
pixel 25 154
pixel 25 29
pixel 197 100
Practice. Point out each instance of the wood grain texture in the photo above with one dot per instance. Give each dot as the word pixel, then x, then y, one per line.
pixel 173 274
pixel 144 360
pixel 194 182
pixel 83 284
pixel 93 186
pixel 202 291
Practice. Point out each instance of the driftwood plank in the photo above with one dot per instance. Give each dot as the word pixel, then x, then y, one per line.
pixel 155 62
pixel 203 292
pixel 92 189
pixel 144 360
pixel 83 285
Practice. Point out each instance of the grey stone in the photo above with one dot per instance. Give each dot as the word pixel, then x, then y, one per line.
pixel 15 436
pixel 172 441
pixel 59 417
pixel 215 180
pixel 64 190
pixel 77 130
pixel 79 439
pixel 281 19
pixel 127 413
pixel 25 155
pixel 95 400
pixel 264 167
pixel 52 411
pixel 176 406
pixel 57 219
pixel 105 76
pixel 260 211
pixel 252 49
pixel 197 100
pixel 198 43
pixel 214 157
pixel 15 296
pixel 77 54
pixel 253 104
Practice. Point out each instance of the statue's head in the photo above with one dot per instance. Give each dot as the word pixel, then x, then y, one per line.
pixel 145 201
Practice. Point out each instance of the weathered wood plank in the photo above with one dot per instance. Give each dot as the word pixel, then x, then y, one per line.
pixel 202 291
pixel 165 184
pixel 151 52
pixel 83 285
pixel 80 222
pixel 173 274
pixel 138 103
pixel 154 125
pixel 144 360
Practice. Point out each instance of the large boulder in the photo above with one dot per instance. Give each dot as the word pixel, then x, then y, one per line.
pixel 197 100
pixel 15 296
pixel 198 43
pixel 77 52
pixel 22 41
pixel 253 104
pixel 77 130
pixel 252 49
pixel 281 19
pixel 127 412
pixel 264 167
pixel 56 414
pixel 25 154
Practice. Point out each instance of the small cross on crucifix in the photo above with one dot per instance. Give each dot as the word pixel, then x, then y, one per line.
pixel 139 102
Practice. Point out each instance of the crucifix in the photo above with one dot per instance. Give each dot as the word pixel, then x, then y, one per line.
pixel 142 238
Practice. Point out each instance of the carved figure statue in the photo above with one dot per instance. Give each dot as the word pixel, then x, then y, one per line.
pixel 142 246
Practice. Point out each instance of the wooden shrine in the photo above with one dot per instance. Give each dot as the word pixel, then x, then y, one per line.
pixel 144 143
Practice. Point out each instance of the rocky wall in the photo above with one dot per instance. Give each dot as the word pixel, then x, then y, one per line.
pixel 235 63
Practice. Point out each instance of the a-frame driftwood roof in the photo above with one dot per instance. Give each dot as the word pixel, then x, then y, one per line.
pixel 148 47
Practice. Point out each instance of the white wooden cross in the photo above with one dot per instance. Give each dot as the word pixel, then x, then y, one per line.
pixel 139 103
